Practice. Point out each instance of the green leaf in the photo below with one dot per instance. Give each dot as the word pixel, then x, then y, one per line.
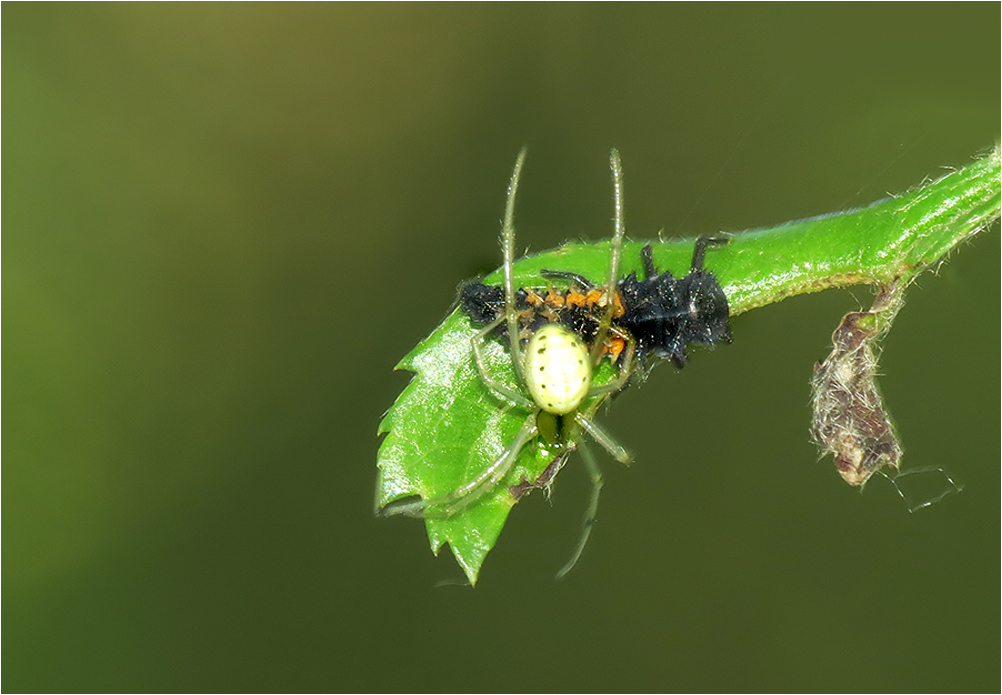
pixel 446 427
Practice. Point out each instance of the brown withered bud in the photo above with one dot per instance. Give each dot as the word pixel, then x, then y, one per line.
pixel 850 419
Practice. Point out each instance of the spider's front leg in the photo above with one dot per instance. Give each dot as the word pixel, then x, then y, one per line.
pixel 498 389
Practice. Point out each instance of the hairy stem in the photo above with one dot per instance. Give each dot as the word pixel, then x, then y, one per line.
pixel 891 239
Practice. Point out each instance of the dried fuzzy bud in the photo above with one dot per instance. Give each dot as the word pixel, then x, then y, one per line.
pixel 850 419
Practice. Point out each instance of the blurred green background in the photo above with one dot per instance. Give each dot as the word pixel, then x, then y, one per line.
pixel 226 223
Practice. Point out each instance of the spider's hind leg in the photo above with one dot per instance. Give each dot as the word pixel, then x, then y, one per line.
pixel 499 390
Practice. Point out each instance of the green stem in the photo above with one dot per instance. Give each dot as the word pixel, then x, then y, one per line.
pixel 892 239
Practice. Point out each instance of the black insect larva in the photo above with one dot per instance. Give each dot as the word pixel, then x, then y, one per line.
pixel 579 308
pixel 662 313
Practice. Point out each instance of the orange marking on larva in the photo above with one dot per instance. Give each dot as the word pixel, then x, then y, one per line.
pixel 615 347
pixel 554 298
pixel 533 298
pixel 594 297
pixel 575 298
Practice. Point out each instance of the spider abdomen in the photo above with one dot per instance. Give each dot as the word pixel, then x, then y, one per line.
pixel 557 369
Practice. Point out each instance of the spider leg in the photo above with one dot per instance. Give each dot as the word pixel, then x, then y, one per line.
pixel 499 390
pixel 492 475
pixel 446 506
pixel 589 521
pixel 508 244
pixel 596 432
pixel 616 252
